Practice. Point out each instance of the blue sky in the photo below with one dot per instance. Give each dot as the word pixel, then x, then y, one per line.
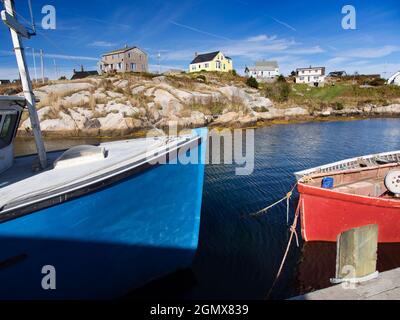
pixel 296 33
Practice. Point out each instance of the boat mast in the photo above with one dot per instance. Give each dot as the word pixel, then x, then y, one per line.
pixel 17 30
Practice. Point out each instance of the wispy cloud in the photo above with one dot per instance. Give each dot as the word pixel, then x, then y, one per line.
pixel 69 57
pixel 198 30
pixel 261 37
pixel 102 44
pixel 283 23
pixel 372 52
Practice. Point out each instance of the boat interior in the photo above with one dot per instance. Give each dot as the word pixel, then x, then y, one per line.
pixel 369 181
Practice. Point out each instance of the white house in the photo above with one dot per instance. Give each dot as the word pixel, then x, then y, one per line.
pixel 263 70
pixel 395 79
pixel 313 75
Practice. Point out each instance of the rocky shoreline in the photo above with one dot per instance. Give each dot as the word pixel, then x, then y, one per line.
pixel 125 107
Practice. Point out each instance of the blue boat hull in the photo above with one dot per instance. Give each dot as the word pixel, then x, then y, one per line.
pixel 106 243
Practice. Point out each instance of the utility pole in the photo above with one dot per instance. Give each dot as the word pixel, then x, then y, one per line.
pixel 42 64
pixel 34 64
pixel 159 62
pixel 55 69
pixel 14 26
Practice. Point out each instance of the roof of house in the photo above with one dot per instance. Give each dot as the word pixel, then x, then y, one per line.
pixel 269 64
pixel 337 73
pixel 83 74
pixel 122 50
pixel 264 66
pixel 205 57
pixel 311 68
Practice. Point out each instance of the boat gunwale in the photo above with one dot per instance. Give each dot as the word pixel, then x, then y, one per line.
pixel 347 197
pixel 91 185
pixel 310 172
pixel 347 171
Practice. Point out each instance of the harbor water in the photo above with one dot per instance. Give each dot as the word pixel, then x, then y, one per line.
pixel 239 255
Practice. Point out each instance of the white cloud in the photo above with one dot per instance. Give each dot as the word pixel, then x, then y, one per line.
pixel 261 37
pixel 9 73
pixel 372 52
pixel 337 60
pixel 102 44
pixel 69 57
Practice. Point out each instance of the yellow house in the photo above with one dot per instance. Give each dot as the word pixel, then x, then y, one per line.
pixel 213 61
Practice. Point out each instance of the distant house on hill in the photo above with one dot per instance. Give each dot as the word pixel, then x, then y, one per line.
pixel 127 59
pixel 5 82
pixel 83 74
pixel 395 79
pixel 311 75
pixel 213 61
pixel 263 70
pixel 337 74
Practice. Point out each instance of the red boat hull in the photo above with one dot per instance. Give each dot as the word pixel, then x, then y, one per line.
pixel 326 213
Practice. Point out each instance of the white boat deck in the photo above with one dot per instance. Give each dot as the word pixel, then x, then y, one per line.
pixel 21 182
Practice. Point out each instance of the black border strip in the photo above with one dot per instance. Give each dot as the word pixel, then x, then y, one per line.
pixel 91 188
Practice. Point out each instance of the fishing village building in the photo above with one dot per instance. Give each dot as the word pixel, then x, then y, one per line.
pixel 81 74
pixel 127 59
pixel 213 61
pixel 311 75
pixel 263 70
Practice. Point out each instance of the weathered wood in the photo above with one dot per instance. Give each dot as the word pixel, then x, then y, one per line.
pixel 357 252
pixel 385 287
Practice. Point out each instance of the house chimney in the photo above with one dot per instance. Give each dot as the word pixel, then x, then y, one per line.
pixel 74 71
pixel 82 68
pixel 126 45
pixel 196 54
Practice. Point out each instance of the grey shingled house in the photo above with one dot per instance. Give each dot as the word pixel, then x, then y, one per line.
pixel 127 59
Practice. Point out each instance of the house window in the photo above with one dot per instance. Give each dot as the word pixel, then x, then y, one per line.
pixel 218 64
pixel 133 66
pixel 206 65
pixel 301 78
pixel 120 65
pixel 193 67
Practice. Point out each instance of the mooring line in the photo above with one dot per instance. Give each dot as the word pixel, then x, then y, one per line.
pixel 293 233
pixel 287 197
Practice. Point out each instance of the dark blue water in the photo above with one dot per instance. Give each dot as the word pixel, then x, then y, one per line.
pixel 238 256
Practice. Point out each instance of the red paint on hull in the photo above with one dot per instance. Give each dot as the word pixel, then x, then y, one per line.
pixel 326 213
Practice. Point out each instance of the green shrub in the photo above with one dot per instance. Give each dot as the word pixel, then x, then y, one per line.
pixel 338 106
pixel 278 91
pixel 377 82
pixel 281 78
pixel 284 92
pixel 252 83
